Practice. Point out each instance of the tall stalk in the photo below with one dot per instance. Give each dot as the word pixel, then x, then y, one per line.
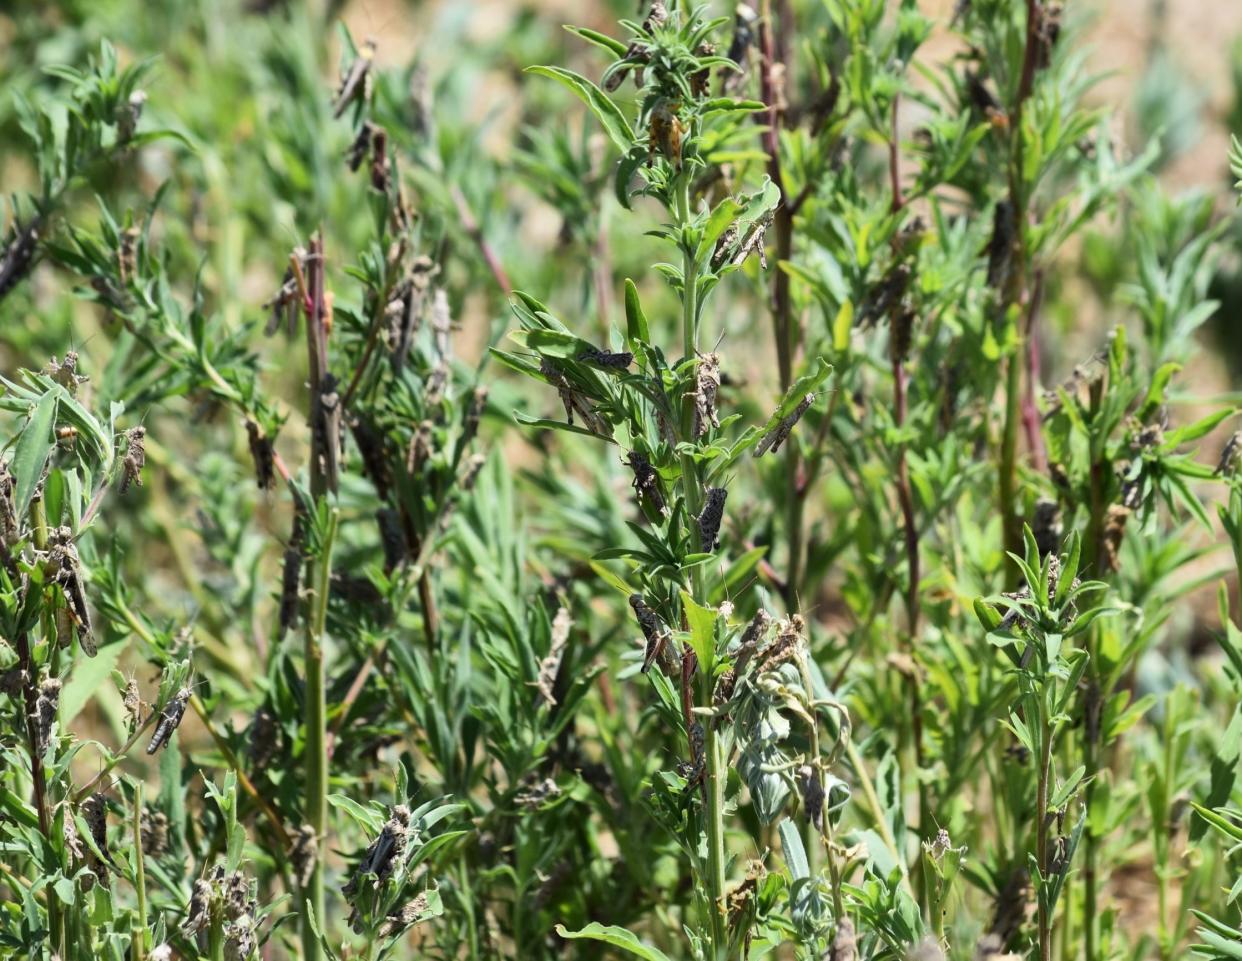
pixel 1041 826
pixel 315 716
pixel 692 489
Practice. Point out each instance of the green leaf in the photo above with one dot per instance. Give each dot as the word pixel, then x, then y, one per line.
pixel 702 621
pixel 599 39
pixel 545 424
pixel 364 816
pixel 610 578
pixel 794 850
pixel 87 680
pixel 635 319
pixel 617 937
pixel 1069 570
pixel 806 384
pixel 628 166
pixel 988 616
pixel 606 112
pixel 841 327
pixel 33 447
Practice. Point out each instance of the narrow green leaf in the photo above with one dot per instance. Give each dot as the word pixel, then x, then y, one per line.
pixel 599 39
pixel 635 319
pixel 33 448
pixel 618 937
pixel 606 112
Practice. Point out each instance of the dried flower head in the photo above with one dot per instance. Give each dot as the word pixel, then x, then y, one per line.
pixel 304 854
pixel 550 666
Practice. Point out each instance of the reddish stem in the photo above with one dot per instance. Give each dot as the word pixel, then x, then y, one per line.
pixel 475 233
pixel 1030 411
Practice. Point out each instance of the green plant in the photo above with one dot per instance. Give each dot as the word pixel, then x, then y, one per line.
pixel 830 588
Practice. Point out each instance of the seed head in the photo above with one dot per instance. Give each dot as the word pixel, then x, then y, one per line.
pixel 1001 247
pixel 550 666
pixel 18 256
pixel 361 144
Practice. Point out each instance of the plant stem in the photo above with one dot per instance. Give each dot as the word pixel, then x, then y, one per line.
pixel 714 772
pixel 1041 829
pixel 911 535
pixel 138 934
pixel 315 700
pixel 316 737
